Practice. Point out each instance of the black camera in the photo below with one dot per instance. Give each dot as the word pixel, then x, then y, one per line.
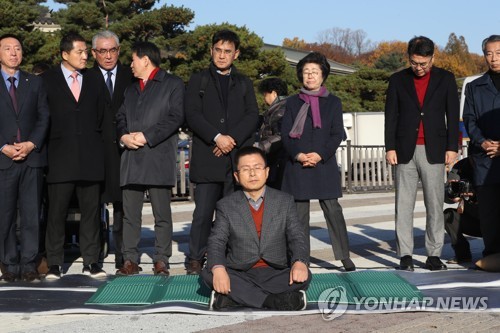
pixel 459 188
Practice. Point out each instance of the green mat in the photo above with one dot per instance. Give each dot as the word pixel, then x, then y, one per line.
pixel 149 289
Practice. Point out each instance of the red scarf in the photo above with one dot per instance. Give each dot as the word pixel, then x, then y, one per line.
pixel 142 85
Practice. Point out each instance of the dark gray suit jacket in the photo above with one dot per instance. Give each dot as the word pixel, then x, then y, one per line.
pixel 33 118
pixel 158 113
pixel 235 244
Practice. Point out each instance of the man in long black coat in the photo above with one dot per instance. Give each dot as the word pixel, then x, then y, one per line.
pixel 115 79
pixel 222 112
pixel 76 159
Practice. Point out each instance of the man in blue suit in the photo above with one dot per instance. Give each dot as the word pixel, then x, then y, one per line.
pixel 24 121
pixel 258 251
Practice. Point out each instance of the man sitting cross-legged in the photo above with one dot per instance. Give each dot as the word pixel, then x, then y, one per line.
pixel 258 253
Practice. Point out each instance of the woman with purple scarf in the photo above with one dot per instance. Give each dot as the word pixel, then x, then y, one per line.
pixel 312 130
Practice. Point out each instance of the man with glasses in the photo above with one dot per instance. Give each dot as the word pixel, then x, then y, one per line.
pixel 115 79
pixel 258 251
pixel 222 112
pixel 482 120
pixel 421 136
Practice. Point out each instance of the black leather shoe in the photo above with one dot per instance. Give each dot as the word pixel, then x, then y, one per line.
pixel 348 265
pixel 221 302
pixel 54 273
pixel 435 264
pixel 8 277
pixel 406 264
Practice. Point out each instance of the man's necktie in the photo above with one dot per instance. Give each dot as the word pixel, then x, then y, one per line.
pixel 109 83
pixel 13 97
pixel 75 85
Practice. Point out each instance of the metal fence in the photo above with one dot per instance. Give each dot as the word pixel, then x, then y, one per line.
pixel 362 169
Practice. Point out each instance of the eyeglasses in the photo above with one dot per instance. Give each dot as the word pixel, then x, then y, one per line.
pixel 313 74
pixel 248 170
pixel 113 51
pixel 422 65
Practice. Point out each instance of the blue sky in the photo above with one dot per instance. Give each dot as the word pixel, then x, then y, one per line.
pixel 382 20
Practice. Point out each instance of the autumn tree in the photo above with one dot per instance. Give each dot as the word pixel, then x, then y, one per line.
pixel 456 58
pixel 295 43
pixel 386 50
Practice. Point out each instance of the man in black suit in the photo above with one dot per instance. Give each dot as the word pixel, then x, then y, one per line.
pixel 24 121
pixel 421 136
pixel 258 251
pixel 115 78
pixel 76 159
pixel 222 112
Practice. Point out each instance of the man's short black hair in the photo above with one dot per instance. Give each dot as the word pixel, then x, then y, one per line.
pixel 148 49
pixel 313 58
pixel 66 44
pixel 421 46
pixel 273 84
pixel 249 150
pixel 11 36
pixel 226 36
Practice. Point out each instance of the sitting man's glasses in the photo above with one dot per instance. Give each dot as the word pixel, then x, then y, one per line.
pixel 255 168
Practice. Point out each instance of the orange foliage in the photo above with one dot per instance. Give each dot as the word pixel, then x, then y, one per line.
pixel 384 48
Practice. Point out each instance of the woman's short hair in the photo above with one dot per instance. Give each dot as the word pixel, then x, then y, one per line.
pixel 314 58
pixel 273 84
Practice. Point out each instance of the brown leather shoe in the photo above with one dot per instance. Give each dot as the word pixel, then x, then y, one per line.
pixel 160 268
pixel 194 267
pixel 30 276
pixel 129 268
pixel 8 277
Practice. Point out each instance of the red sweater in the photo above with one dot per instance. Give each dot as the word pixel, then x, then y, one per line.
pixel 421 84
pixel 257 216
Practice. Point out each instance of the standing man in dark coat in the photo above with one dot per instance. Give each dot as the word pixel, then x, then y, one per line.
pixel 421 136
pixel 24 122
pixel 147 125
pixel 76 159
pixel 115 78
pixel 222 112
pixel 482 121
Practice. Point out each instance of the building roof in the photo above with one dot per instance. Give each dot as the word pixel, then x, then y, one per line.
pixel 293 56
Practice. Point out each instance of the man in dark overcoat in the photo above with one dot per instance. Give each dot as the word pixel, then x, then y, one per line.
pixel 76 159
pixel 147 125
pixel 222 112
pixel 115 79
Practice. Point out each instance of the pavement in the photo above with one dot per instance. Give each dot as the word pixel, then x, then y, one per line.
pixel 370 219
